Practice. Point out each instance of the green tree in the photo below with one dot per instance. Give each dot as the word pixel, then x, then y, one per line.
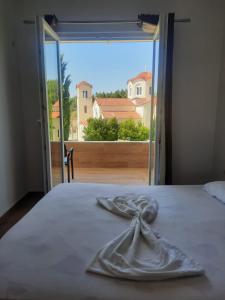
pixel 66 81
pixel 73 103
pixel 116 94
pixel 52 86
pixel 153 130
pixel 101 130
pixel 113 129
pixel 53 96
pixel 129 130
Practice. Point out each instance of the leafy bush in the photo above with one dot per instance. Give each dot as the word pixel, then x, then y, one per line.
pixel 153 130
pixel 131 131
pixel 52 86
pixel 111 130
pixel 101 130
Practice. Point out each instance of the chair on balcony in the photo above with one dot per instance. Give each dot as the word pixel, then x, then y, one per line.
pixel 68 161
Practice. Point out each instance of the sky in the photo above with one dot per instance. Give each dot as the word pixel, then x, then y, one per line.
pixel 107 66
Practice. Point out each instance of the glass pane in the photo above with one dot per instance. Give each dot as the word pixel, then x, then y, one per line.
pixel 54 113
pixel 153 116
pixel 110 142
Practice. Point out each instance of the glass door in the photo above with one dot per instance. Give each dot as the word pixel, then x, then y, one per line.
pixel 51 104
pixel 153 110
pixel 161 144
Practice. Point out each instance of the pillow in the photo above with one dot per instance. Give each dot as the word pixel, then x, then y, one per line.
pixel 216 189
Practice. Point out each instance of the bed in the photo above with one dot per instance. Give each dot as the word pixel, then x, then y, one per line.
pixel 45 255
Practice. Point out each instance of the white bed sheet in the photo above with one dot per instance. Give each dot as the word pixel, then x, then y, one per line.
pixel 45 255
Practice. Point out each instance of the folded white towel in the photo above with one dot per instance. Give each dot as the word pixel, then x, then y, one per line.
pixel 216 189
pixel 139 253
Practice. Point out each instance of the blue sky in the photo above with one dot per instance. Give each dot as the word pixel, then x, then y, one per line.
pixel 107 66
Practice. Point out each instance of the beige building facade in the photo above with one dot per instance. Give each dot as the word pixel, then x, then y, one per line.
pixel 84 106
pixel 136 107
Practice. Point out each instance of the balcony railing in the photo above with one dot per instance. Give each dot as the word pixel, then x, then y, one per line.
pixel 107 162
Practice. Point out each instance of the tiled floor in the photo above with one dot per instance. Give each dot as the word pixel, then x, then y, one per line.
pixel 128 176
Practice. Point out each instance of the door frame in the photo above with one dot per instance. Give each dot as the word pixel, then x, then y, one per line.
pixel 160 113
pixel 42 28
pixel 151 162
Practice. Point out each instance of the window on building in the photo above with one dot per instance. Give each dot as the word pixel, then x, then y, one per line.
pixel 85 94
pixel 85 109
pixel 139 90
pixel 130 91
pixel 150 90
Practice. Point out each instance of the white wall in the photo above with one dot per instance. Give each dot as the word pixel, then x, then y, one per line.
pixel 219 146
pixel 197 58
pixel 12 148
pixel 197 55
pixel 132 87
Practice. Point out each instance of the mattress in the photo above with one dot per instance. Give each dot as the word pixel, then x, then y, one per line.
pixel 46 254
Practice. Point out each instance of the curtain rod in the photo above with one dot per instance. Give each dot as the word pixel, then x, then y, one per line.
pixel 185 20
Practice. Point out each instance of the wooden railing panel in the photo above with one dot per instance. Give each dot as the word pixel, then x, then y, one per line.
pixel 105 154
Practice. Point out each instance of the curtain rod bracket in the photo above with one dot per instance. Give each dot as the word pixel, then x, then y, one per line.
pixel 28 22
pixel 185 20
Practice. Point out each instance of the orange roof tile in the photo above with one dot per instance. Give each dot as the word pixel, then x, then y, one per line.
pixel 114 102
pixel 154 99
pixel 55 114
pixel 142 76
pixel 84 123
pixel 55 110
pixel 121 115
pixel 83 83
pixel 140 101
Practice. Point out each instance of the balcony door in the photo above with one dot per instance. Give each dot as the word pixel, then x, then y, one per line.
pixel 51 104
pixel 160 170
pixel 153 109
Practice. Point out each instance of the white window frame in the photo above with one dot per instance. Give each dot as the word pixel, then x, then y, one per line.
pixel 85 94
pixel 138 90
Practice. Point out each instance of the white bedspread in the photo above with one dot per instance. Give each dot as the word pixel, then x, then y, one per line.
pixel 139 253
pixel 46 254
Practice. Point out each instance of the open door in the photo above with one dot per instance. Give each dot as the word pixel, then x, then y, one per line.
pixel 161 113
pixel 153 109
pixel 51 104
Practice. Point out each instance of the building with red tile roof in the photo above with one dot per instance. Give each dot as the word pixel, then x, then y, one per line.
pixel 141 76
pixel 122 115
pixel 55 121
pixel 137 106
pixel 114 102
pixel 55 110
pixel 83 83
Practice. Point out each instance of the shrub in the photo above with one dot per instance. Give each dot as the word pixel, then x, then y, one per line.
pixel 153 130
pixel 131 131
pixel 101 130
pixel 111 130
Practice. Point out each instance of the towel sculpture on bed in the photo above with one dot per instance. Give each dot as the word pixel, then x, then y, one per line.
pixel 139 253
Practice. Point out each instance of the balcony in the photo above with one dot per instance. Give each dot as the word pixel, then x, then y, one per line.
pixel 105 162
